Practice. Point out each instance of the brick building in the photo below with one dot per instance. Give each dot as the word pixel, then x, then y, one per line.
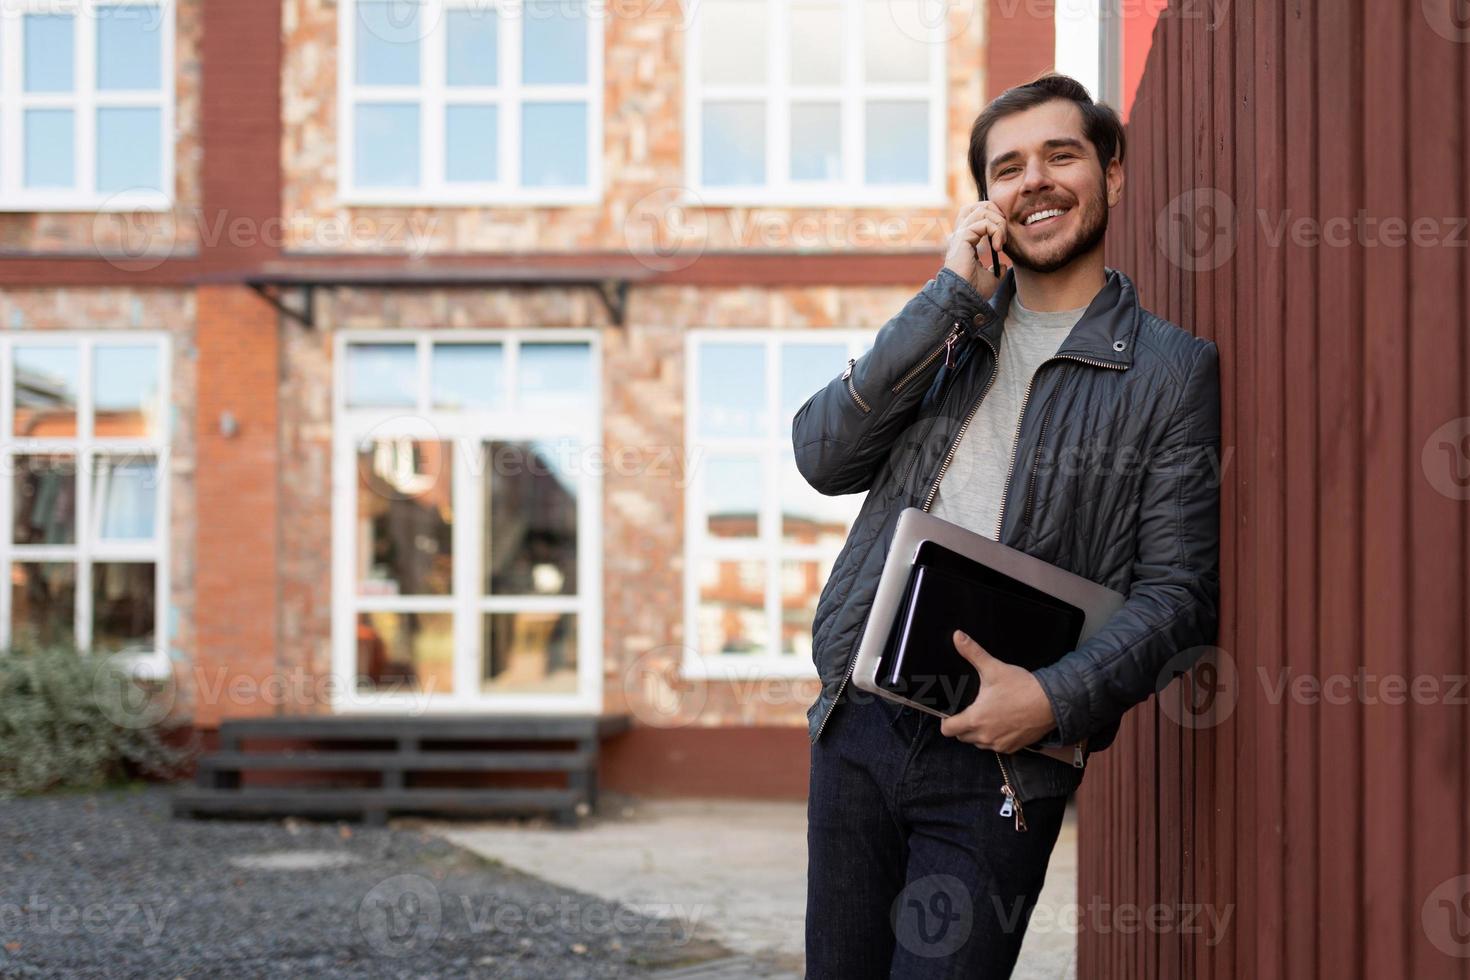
pixel 383 357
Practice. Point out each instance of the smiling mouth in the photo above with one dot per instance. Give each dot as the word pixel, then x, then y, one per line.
pixel 1043 218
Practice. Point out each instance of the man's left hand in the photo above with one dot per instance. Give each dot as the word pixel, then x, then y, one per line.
pixel 1010 712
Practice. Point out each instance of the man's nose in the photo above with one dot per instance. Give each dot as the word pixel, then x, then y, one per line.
pixel 1035 178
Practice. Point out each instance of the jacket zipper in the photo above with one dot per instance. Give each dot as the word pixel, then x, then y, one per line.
pixel 946 348
pixel 852 389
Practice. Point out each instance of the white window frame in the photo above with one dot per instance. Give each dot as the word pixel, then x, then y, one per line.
pixel 767 546
pixel 84 100
pixel 432 94
pixel 777 95
pixel 466 430
pixel 84 552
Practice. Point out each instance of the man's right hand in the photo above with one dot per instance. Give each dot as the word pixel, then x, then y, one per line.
pixel 978 228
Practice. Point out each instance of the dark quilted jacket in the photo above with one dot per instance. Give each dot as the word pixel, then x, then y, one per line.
pixel 1115 476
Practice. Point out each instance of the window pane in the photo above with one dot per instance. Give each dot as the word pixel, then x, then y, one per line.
pixel 732 390
pixel 468 376
pixel 897 141
pixel 554 46
pixel 733 144
pixel 732 607
pixel 129 149
pixel 125 391
pixel 815 59
pixel 388 33
pixel 530 542
pixel 43 601
pixel 528 652
pixel 801 586
pixel 129 47
pixel 405 517
pixel 894 41
pixel 556 377
pixel 471 152
pixel 381 375
pixel 48 52
pixel 399 651
pixel 46 391
pixel 732 496
pixel 45 505
pixel 50 148
pixel 811 518
pixel 124 497
pixel 386 150
pixel 554 144
pixel 816 141
pixel 122 606
pixel 805 369
pixel 472 37
pixel 733 42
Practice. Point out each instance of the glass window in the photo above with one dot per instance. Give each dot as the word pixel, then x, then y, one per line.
pixel 87 530
pixel 431 70
pixel 530 529
pixel 528 653
pixel 763 541
pixel 854 128
pixel 469 376
pixel 381 374
pixel 405 651
pixel 86 105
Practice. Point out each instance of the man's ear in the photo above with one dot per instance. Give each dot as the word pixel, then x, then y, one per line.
pixel 1114 178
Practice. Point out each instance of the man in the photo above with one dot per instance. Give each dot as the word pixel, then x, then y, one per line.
pixel 1050 411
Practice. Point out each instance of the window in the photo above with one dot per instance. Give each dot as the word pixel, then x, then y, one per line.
pixel 760 542
pixel 816 102
pixel 86 105
pixel 87 496
pixel 470 101
pixel 466 506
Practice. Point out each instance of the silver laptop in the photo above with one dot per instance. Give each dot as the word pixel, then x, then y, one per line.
pixel 1096 602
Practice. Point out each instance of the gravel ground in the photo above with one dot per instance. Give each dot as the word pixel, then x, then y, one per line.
pixel 110 885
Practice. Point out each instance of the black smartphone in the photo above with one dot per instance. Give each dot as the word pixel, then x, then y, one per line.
pixel 994 255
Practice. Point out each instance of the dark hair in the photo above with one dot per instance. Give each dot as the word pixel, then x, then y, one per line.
pixel 1100 123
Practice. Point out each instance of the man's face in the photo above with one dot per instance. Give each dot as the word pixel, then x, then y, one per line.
pixel 1039 162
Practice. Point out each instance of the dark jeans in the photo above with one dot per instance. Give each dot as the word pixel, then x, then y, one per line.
pixel 912 872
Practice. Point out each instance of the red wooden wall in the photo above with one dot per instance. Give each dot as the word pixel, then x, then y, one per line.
pixel 1333 834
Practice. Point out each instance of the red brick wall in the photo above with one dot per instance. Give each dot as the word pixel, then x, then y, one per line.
pixel 238 499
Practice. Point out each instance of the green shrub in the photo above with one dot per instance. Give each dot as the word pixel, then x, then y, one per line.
pixel 72 720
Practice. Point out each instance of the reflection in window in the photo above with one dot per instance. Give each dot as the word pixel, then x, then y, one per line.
pixel 405 651
pixel 46 390
pixel 45 499
pixel 732 496
pixel 732 607
pixel 125 391
pixel 122 606
pixel 124 497
pixel 43 601
pixel 404 517
pixel 530 542
pixel 529 652
pixel 801 586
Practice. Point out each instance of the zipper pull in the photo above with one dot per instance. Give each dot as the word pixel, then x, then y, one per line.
pixel 949 344
pixel 847 371
pixel 1012 805
pixel 1077 758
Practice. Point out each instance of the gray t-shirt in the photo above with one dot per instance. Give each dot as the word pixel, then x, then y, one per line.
pixel 970 491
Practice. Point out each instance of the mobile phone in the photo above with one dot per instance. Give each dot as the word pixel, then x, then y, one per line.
pixel 994 256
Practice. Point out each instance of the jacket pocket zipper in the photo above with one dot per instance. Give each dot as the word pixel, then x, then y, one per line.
pixel 1012 804
pixel 852 388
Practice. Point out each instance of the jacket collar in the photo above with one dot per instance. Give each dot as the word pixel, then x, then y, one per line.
pixel 1110 320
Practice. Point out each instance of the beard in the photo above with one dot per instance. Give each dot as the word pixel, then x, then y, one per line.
pixel 1057 254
